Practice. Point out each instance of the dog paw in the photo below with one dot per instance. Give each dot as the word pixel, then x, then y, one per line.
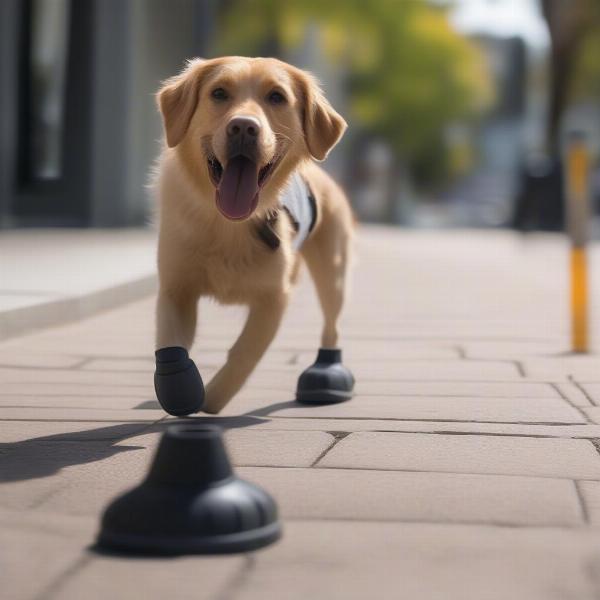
pixel 177 382
pixel 327 381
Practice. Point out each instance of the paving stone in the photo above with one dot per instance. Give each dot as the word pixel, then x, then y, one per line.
pixel 78 414
pixel 482 389
pixel 428 497
pixel 261 448
pixel 31 561
pixel 73 395
pixel 455 330
pixel 52 523
pixel 18 380
pixel 592 390
pixel 211 359
pixel 107 383
pixel 556 369
pixel 143 365
pixel 253 422
pixel 81 477
pixel 284 380
pixel 19 493
pixel 367 353
pixel 583 430
pixel 72 459
pixel 185 578
pixel 354 561
pixel 369 371
pixel 37 360
pixel 504 455
pixel 54 548
pixel 49 431
pixel 73 401
pixel 77 478
pixel 511 350
pixel 456 370
pixel 574 394
pixel 507 410
pixel 81 340
pixel 593 413
pixel 441 370
pixel 590 491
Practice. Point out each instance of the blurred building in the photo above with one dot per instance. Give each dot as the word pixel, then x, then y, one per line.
pixel 486 195
pixel 78 123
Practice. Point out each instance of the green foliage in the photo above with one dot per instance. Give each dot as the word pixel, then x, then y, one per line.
pixel 409 73
pixel 586 80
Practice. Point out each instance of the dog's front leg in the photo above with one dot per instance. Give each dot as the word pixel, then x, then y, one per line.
pixel 260 329
pixel 175 319
pixel 178 385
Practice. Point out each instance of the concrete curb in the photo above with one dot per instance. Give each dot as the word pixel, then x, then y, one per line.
pixel 73 308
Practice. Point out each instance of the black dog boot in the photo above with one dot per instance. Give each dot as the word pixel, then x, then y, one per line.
pixel 327 381
pixel 177 382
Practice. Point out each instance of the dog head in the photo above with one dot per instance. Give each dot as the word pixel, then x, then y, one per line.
pixel 244 124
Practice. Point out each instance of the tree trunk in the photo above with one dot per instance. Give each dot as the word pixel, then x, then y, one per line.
pixel 566 25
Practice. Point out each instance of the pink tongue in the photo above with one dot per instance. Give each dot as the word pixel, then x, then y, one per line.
pixel 237 194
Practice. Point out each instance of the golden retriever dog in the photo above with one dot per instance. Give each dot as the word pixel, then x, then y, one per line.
pixel 242 137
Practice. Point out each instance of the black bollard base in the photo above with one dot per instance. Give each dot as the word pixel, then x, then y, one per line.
pixel 327 381
pixel 190 503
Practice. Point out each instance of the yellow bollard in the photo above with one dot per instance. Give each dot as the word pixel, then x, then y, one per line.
pixel 578 208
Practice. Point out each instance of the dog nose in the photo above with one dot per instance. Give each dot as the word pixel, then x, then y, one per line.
pixel 243 126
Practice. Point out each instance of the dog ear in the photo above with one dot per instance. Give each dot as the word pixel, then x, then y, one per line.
pixel 178 97
pixel 323 126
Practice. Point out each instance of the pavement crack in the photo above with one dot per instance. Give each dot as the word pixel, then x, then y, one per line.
pixel 53 589
pixel 596 443
pixel 519 366
pixel 579 409
pixel 238 580
pixel 476 433
pixel 82 363
pixel 337 436
pixel 582 390
pixel 407 420
pixel 584 510
pixel 460 351
pixel 44 497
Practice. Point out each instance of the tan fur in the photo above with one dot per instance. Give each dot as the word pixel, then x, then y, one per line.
pixel 202 253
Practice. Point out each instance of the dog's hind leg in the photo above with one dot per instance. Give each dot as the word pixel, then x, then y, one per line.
pixel 177 382
pixel 327 256
pixel 261 326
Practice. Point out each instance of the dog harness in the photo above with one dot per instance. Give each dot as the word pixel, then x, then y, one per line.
pixel 298 201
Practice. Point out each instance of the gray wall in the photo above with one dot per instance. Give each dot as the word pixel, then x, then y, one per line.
pixel 8 122
pixel 140 43
pixel 132 46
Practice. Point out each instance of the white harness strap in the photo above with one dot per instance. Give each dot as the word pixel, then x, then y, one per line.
pixel 298 201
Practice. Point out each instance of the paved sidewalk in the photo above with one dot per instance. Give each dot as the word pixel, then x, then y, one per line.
pixel 467 466
pixel 51 276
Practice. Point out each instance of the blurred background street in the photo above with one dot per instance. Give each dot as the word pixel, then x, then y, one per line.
pixel 468 464
pixel 458 109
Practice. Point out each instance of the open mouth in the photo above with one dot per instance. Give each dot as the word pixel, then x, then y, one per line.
pixel 238 184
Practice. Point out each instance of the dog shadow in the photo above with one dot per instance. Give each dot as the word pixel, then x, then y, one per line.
pixel 47 455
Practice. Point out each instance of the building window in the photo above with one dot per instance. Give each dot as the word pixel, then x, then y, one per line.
pixel 48 56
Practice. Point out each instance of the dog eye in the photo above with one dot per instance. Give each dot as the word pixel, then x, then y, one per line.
pixel 276 98
pixel 219 94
